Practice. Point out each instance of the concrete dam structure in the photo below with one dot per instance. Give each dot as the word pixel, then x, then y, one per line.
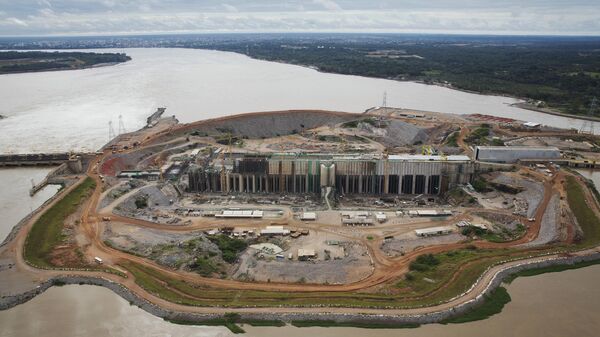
pixel 34 159
pixel 347 173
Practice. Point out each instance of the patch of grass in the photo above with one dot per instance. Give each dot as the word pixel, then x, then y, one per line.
pixel 364 325
pixel 230 247
pixel 481 185
pixel 452 139
pixel 586 218
pixel 232 326
pixel 506 235
pixel 204 266
pixel 479 135
pixel 424 263
pixel 46 232
pixel 493 304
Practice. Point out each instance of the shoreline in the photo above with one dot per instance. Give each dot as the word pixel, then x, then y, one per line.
pixel 522 104
pixel 526 106
pixel 462 303
pixel 246 313
pixel 97 65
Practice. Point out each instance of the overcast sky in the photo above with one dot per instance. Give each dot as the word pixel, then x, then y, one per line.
pixel 66 17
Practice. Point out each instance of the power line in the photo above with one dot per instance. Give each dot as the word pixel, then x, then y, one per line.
pixel 111 131
pixel 588 125
pixel 121 125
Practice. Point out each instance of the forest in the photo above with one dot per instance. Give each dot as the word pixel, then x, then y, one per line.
pixel 30 61
pixel 562 73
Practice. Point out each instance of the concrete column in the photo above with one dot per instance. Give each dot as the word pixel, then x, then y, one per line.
pixel 414 181
pixel 241 180
pixel 386 184
pixel 254 183
pixel 427 184
pixel 360 177
pixel 227 183
pixel 306 183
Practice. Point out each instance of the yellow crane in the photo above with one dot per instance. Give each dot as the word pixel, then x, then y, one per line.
pixel 426 150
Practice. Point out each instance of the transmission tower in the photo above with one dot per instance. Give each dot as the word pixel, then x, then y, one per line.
pixel 121 125
pixel 384 109
pixel 111 131
pixel 588 125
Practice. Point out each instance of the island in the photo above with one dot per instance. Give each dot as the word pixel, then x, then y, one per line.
pixel 388 218
pixel 33 61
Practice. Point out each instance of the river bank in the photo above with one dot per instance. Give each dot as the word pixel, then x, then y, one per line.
pixel 409 320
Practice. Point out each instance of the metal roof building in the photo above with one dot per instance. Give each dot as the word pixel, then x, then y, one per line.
pixel 512 154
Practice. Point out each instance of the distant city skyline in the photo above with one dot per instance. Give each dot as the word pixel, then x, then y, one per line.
pixel 113 17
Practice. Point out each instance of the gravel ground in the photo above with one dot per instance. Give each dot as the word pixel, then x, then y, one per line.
pixel 533 193
pixel 396 133
pixel 549 231
pixel 158 199
pixel 406 243
pixel 351 268
pixel 163 247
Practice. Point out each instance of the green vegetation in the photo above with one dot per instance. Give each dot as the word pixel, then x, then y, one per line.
pixel 365 325
pixel 452 139
pixel 493 304
pixel 19 62
pixel 230 247
pixel 480 185
pixel 457 196
pixel 433 278
pixel 141 201
pixel 479 135
pixel 231 321
pixel 505 234
pixel 463 266
pixel 424 263
pixel 429 272
pixel 586 218
pixel 561 72
pixel 46 232
pixel 204 266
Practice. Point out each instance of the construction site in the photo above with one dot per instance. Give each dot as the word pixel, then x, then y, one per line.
pixel 391 211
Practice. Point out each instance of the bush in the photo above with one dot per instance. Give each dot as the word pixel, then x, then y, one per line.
pixel 415 266
pixel 229 247
pixel 428 259
pixel 481 185
pixel 141 202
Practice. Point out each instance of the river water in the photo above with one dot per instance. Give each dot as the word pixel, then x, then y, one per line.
pixel 15 202
pixel 70 110
pixel 550 305
pixel 60 111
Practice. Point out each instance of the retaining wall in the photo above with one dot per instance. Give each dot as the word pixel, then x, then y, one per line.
pixel 433 317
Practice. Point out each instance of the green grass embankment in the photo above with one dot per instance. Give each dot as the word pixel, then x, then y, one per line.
pixel 46 232
pixel 451 274
pixel 586 218
pixel 493 304
pixel 230 321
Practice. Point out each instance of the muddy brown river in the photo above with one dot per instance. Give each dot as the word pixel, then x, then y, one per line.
pixel 557 304
pixel 203 84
